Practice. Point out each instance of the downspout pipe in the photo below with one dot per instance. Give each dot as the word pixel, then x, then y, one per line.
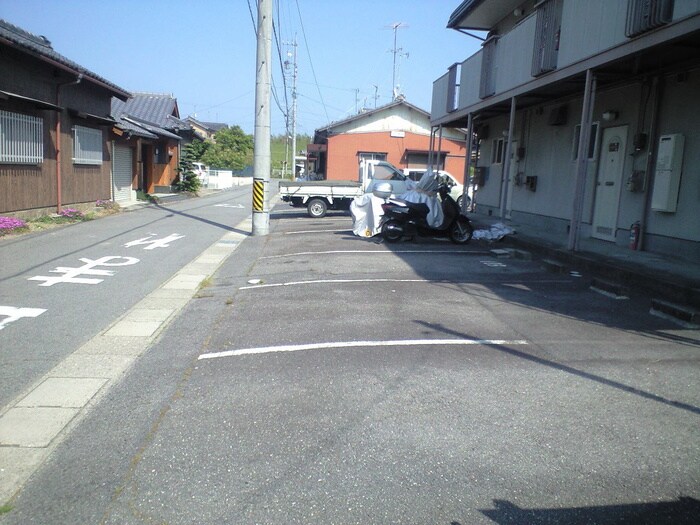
pixel 468 161
pixel 651 157
pixel 59 202
pixel 505 178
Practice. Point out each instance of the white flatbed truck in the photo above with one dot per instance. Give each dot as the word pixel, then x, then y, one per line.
pixel 321 195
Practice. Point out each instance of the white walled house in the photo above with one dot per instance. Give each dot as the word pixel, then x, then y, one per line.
pixel 627 73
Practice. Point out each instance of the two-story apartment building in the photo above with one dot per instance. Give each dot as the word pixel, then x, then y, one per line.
pixel 587 116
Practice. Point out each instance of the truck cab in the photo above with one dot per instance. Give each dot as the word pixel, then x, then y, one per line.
pixel 373 172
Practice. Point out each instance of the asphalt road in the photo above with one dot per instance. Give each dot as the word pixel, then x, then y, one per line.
pixel 324 378
pixel 74 312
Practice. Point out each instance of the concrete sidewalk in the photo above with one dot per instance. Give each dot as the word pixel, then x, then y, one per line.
pixel 47 410
pixel 670 279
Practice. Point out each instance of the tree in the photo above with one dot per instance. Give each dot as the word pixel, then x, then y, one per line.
pixel 198 149
pixel 231 149
pixel 187 179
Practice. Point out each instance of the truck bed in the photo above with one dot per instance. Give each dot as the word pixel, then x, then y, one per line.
pixel 327 188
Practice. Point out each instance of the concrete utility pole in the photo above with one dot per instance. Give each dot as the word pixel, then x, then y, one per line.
pixel 261 150
pixel 294 109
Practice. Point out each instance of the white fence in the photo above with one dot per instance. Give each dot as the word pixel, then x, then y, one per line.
pixel 222 179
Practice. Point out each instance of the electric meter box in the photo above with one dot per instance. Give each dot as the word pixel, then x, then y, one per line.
pixel 667 178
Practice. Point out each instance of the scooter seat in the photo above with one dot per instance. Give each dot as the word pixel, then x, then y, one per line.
pixel 419 209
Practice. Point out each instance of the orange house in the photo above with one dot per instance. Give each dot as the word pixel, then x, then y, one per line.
pixel 398 132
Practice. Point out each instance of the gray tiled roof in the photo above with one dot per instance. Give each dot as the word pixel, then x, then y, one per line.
pixel 213 126
pixel 150 113
pixel 134 129
pixel 157 109
pixel 40 47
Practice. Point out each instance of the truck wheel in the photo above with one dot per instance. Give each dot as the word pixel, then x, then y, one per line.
pixel 392 231
pixel 317 208
pixel 461 231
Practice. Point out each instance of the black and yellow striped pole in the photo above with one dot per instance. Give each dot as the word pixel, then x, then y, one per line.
pixel 261 147
pixel 259 195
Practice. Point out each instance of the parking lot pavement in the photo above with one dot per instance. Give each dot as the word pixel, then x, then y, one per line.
pixel 325 378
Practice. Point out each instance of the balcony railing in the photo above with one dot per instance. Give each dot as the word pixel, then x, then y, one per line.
pixel 586 29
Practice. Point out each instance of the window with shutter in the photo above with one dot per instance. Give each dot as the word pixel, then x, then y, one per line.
pixel 645 15
pixel 487 86
pixel 547 34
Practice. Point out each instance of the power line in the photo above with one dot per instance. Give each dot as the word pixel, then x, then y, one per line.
pixel 313 71
pixel 285 111
pixel 252 18
pixel 274 88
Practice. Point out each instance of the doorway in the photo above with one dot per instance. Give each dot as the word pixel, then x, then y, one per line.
pixel 609 182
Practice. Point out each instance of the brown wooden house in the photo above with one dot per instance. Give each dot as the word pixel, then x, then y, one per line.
pixel 54 128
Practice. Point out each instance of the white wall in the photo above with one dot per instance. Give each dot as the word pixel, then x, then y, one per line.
pixel 399 118
pixel 680 113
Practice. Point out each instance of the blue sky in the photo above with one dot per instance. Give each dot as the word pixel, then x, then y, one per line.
pixel 203 52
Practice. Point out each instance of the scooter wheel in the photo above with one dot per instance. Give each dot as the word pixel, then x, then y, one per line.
pixel 392 231
pixel 461 231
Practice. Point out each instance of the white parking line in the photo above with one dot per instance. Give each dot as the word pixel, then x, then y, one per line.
pixel 318 231
pixel 378 251
pixel 256 285
pixel 340 281
pixel 280 217
pixel 355 344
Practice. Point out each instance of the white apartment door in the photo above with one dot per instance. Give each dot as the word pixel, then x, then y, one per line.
pixel 609 182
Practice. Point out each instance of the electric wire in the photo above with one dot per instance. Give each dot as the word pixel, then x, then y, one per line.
pixel 313 71
pixel 252 18
pixel 272 78
pixel 285 111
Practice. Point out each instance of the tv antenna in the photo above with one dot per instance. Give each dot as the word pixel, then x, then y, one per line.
pixel 396 51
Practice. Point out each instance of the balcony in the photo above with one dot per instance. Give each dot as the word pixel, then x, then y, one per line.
pixel 593 34
pixel 509 66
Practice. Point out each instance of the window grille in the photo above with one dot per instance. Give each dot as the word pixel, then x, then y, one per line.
pixel 547 34
pixel 366 155
pixel 645 15
pixel 497 146
pixel 87 145
pixel 592 144
pixel 21 138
